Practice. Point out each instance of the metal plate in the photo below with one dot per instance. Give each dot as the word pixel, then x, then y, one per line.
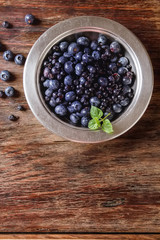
pixel 136 53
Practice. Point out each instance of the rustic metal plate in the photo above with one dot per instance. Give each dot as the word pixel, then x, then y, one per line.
pixel 136 53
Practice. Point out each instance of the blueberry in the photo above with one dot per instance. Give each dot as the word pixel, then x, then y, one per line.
pixel 46 72
pixel 10 91
pixel 61 110
pixel 46 83
pixel 70 96
pixel 5 75
pixel 84 41
pixel 67 55
pixel 74 118
pixel 117 108
pixel 114 58
pixel 52 102
pixel 54 71
pixel 127 80
pixel 84 121
pixel 102 39
pixel 54 84
pixel 70 109
pixel 68 80
pixel 122 70
pixel 91 69
pixel 19 59
pixel 82 80
pixel 63 46
pixel 95 101
pixel 111 115
pixel 13 117
pixel 76 105
pixel 29 19
pixel 73 48
pixel 2 94
pixel 48 92
pixel 8 55
pixel 103 81
pixel 62 59
pixel 115 47
pixel 126 89
pixel 20 108
pixel 85 112
pixel 87 58
pixel 78 69
pixel 94 45
pixel 87 50
pixel 68 67
pixel 125 102
pixel 113 67
pixel 5 24
pixel 78 56
pixel 123 61
pixel 96 55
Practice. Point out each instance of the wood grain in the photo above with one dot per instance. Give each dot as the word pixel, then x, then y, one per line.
pixel 82 236
pixel 48 184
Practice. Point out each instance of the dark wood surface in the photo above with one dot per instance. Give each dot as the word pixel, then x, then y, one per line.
pixel 48 184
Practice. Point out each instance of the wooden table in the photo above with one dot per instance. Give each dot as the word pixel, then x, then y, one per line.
pixel 48 184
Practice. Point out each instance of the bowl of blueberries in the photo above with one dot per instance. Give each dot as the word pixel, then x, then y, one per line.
pixel 88 79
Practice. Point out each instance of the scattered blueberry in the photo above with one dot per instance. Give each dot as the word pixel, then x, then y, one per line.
pixel 6 24
pixel 20 108
pixel 10 91
pixel 2 94
pixel 5 75
pixel 8 55
pixel 13 118
pixel 29 19
pixel 19 59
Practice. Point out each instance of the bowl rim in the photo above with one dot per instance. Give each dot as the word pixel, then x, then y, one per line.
pixel 144 72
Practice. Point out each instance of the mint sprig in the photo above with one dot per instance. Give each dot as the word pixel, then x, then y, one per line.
pixel 97 122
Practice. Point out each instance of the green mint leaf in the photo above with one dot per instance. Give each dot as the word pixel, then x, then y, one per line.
pixel 107 126
pixel 96 112
pixel 94 124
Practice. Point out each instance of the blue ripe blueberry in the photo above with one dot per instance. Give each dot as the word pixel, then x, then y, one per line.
pixel 111 116
pixel 95 101
pixel 67 55
pixel 102 39
pixel 46 72
pixel 124 102
pixel 5 75
pixel 76 105
pixel 117 108
pixel 52 102
pixel 19 59
pixel 84 41
pixel 87 50
pixel 10 91
pixel 94 45
pixel 127 80
pixel 82 80
pixel 70 109
pixel 113 67
pixel 74 118
pixel 2 94
pixel 96 55
pixel 54 71
pixel 87 58
pixel 68 80
pixel 103 81
pixel 62 59
pixel 48 92
pixel 61 110
pixel 29 19
pixel 91 69
pixel 5 24
pixel 122 70
pixel 68 67
pixel 123 61
pixel 78 69
pixel 70 96
pixel 84 121
pixel 54 84
pixel 115 47
pixel 126 89
pixel 63 46
pixel 78 56
pixel 8 55
pixel 46 83
pixel 85 112
pixel 73 48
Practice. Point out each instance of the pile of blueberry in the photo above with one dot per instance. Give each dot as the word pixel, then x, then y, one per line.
pixel 85 72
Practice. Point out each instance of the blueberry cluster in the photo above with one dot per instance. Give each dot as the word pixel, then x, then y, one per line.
pixel 85 72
